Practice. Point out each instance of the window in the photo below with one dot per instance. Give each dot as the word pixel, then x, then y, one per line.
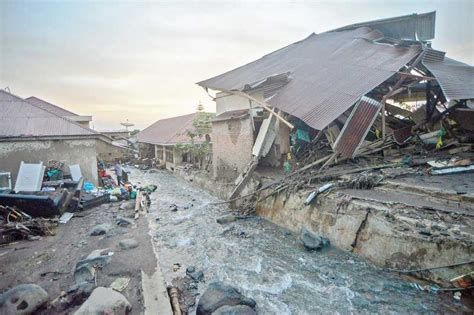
pixel 169 156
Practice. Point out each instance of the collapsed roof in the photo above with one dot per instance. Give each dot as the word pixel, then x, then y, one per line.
pixel 21 119
pixel 325 74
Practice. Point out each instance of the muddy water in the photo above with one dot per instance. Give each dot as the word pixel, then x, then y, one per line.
pixel 268 263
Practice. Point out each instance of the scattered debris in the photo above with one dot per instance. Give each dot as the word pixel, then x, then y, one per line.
pixel 120 284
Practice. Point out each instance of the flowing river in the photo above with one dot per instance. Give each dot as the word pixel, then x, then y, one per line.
pixel 268 263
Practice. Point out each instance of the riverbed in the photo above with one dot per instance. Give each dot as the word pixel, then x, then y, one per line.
pixel 268 263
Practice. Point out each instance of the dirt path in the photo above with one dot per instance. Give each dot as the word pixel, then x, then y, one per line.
pixel 50 262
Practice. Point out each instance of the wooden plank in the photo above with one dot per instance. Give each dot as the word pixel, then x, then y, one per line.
pixel 264 105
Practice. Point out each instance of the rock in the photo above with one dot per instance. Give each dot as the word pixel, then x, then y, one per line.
pixel 121 221
pixel 100 229
pixel 23 299
pixel 194 274
pixel 425 232
pixel 174 207
pixel 105 301
pixel 226 219
pixel 127 205
pixel 219 294
pixel 235 310
pixel 128 243
pixel 312 241
pixel 85 270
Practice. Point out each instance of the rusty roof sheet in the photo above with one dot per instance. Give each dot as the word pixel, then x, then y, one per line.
pixel 49 107
pixel 329 72
pixel 168 131
pixel 23 119
pixel 356 127
pixel 455 78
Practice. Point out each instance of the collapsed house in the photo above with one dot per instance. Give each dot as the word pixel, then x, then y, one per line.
pixel 348 86
pixel 34 133
pixel 170 141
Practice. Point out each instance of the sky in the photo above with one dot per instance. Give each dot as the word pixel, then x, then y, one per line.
pixel 139 61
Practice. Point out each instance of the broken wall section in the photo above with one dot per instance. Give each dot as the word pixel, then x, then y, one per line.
pixel 82 152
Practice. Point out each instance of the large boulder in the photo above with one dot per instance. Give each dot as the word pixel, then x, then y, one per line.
pixel 104 301
pixel 219 294
pixel 23 299
pixel 312 241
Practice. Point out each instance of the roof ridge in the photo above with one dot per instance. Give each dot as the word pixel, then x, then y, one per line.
pixel 40 99
pixel 49 112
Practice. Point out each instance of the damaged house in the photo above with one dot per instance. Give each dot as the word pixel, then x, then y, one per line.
pixel 174 141
pixel 345 86
pixel 33 133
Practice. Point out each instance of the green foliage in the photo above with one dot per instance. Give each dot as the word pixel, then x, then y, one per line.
pixel 201 128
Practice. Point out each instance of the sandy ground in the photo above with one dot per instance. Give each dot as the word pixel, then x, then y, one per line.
pixel 50 261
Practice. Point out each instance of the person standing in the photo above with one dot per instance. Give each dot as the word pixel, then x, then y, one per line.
pixel 118 171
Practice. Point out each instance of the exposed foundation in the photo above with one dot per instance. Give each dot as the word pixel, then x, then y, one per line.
pixel 392 228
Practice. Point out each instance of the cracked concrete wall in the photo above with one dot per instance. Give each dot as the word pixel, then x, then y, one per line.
pixel 82 152
pixel 388 235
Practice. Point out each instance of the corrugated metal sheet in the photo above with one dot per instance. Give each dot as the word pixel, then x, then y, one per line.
pixel 411 27
pixel 49 107
pixel 455 78
pixel 168 131
pixel 357 126
pixel 22 119
pixel 329 73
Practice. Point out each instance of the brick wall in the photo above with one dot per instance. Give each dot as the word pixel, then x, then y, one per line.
pixel 232 142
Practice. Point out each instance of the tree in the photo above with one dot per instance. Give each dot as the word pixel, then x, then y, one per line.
pixel 199 141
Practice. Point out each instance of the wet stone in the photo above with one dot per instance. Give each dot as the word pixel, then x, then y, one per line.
pixel 235 310
pixel 23 299
pixel 312 241
pixel 194 274
pixel 226 219
pixel 100 229
pixel 219 294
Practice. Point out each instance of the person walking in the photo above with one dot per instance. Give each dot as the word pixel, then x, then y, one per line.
pixel 118 171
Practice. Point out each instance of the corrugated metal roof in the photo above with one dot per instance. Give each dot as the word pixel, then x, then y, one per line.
pixel 168 131
pixel 49 107
pixel 413 26
pixel 455 78
pixel 22 119
pixel 329 73
pixel 356 127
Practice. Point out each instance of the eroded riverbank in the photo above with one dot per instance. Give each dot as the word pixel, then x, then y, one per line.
pixel 268 263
